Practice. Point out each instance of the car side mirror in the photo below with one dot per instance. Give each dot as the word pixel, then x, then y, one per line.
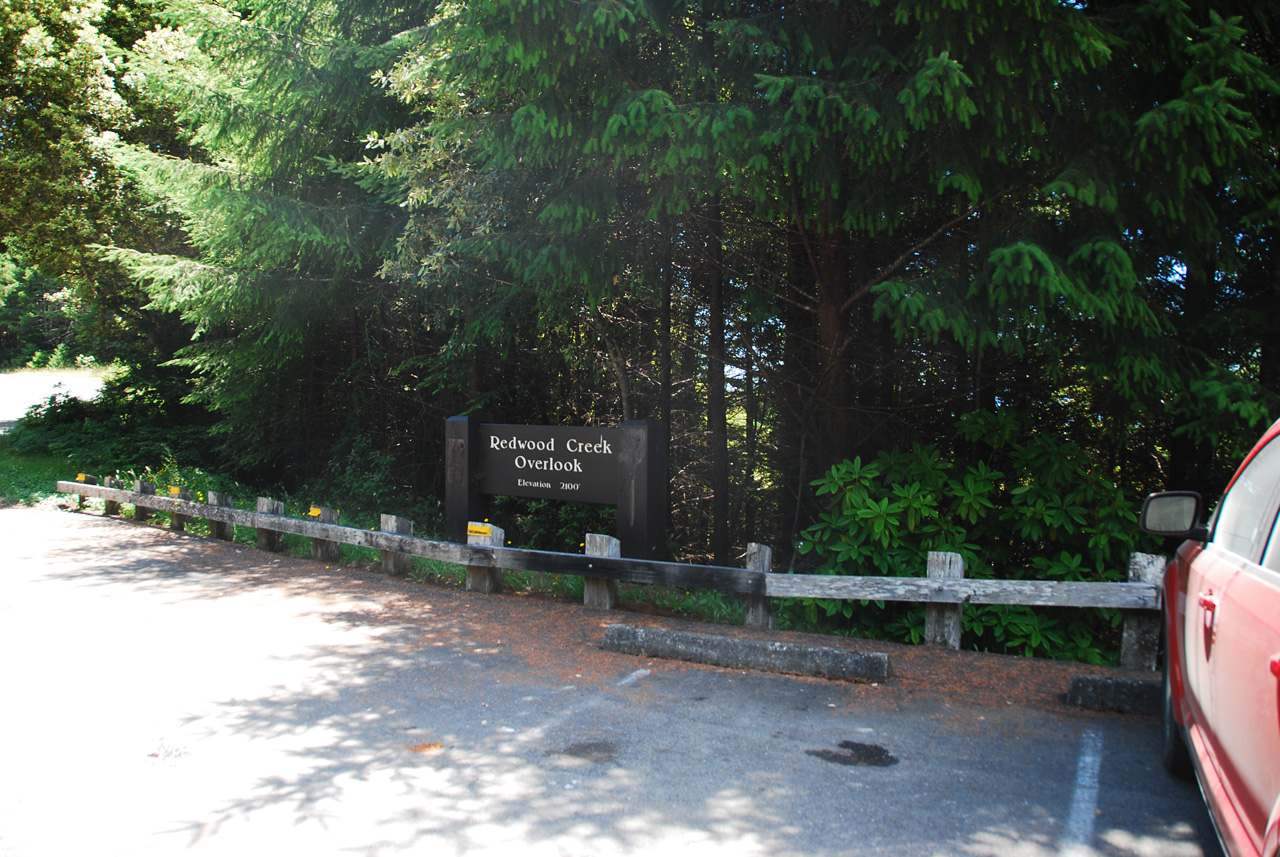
pixel 1174 514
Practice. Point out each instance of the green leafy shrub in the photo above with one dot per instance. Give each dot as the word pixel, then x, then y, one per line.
pixel 359 477
pixel 1036 507
pixel 134 422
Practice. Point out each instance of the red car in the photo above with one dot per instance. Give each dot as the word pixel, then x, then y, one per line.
pixel 1222 648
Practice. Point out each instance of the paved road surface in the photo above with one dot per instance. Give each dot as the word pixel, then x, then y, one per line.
pixel 171 695
pixel 22 389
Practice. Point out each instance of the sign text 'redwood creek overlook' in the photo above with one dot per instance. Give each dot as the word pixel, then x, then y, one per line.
pixel 623 466
pixel 549 462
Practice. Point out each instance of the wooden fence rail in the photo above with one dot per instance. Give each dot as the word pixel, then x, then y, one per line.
pixel 1031 593
pixel 945 589
pixel 723 578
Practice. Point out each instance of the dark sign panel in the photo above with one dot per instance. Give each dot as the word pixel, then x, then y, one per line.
pixel 549 462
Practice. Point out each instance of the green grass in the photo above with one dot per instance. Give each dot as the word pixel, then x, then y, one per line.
pixel 28 479
pixel 705 605
pixel 435 571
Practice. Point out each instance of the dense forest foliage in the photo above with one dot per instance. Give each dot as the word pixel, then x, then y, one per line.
pixel 899 275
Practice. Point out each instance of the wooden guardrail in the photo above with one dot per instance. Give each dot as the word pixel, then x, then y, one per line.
pixel 944 591
pixel 725 579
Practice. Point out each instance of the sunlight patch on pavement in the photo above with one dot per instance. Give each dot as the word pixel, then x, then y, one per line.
pixel 1167 845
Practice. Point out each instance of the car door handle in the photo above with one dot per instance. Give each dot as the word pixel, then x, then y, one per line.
pixel 1208 601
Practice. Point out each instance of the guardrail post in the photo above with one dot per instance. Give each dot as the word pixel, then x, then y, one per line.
pixel 141 513
pixel 268 539
pixel 224 530
pixel 758 614
pixel 1140 638
pixel 483 578
pixel 178 523
pixel 111 507
pixel 85 479
pixel 324 550
pixel 601 592
pixel 394 562
pixel 943 622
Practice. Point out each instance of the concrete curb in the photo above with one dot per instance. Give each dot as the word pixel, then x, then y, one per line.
pixel 1125 695
pixel 739 653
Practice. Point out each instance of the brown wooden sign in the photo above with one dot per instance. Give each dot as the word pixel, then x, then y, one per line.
pixel 549 462
pixel 624 466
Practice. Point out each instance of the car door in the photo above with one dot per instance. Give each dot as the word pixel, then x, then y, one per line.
pixel 1232 616
pixel 1210 573
pixel 1246 682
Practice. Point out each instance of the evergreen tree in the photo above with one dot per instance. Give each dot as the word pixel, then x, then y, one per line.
pixel 279 283
pixel 61 85
pixel 800 232
pixel 973 205
pixel 57 84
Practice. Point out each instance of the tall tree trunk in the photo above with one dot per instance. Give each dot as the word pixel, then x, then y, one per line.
pixel 618 363
pixel 751 408
pixel 799 382
pixel 717 419
pixel 833 400
pixel 1269 371
pixel 664 335
pixel 1191 461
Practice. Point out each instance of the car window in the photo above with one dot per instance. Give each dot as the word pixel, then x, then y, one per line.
pixel 1248 509
pixel 1272 558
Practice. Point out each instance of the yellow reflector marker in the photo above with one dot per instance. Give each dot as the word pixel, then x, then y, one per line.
pixel 174 490
pixel 315 512
pixel 479 530
pixel 79 477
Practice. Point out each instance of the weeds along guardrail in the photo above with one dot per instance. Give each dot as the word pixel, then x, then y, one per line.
pixel 944 590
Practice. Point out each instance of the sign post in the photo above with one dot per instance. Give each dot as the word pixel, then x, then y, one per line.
pixel 462 499
pixel 642 489
pixel 624 467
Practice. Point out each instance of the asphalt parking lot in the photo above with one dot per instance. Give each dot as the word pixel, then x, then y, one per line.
pixel 168 694
pixel 22 389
